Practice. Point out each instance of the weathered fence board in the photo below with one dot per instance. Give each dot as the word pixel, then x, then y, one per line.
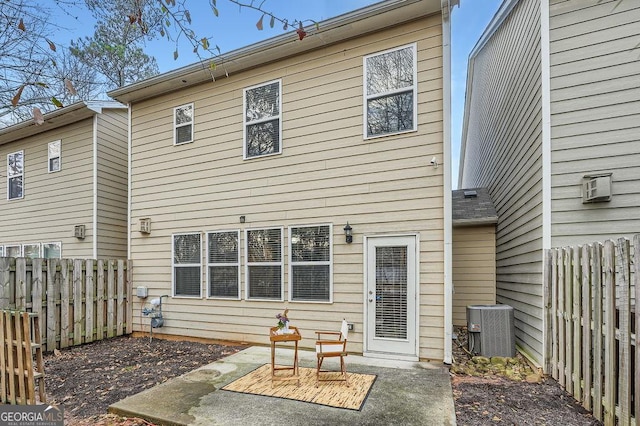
pixel 77 301
pixel 592 350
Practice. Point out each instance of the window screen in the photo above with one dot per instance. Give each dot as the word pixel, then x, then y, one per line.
pixel 264 263
pixel 311 270
pixel 186 265
pixel 31 250
pixel 54 151
pixel 52 250
pixel 223 264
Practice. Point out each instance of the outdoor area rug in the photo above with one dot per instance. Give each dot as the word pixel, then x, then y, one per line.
pixel 332 393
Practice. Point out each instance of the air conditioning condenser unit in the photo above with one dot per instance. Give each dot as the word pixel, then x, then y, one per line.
pixel 491 330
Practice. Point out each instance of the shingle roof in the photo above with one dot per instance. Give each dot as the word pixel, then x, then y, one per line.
pixel 473 207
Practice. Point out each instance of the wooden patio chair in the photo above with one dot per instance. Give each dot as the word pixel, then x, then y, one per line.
pixel 332 344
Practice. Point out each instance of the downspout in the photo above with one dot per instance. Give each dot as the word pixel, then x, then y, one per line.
pixel 95 187
pixel 545 66
pixel 446 136
pixel 129 181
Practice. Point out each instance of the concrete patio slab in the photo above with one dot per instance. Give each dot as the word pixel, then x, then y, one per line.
pixel 405 393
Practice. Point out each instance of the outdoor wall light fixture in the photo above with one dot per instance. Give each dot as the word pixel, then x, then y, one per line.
pixel 348 234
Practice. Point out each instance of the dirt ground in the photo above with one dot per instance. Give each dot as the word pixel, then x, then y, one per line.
pixel 490 399
pixel 86 379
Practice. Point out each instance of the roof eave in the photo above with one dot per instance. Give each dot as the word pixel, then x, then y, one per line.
pixel 56 119
pixel 356 23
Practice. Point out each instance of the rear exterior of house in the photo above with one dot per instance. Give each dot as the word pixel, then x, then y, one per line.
pixel 244 186
pixel 552 103
pixel 66 176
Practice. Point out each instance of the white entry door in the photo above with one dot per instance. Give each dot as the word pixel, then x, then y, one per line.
pixel 391 296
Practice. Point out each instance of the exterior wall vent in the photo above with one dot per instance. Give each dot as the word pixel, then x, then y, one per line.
pixel 596 188
pixel 79 231
pixel 491 330
pixel 145 225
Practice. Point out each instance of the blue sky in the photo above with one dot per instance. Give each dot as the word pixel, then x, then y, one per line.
pixel 236 28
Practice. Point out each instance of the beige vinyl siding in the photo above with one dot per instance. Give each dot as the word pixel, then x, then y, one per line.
pixel 53 203
pixel 112 176
pixel 327 173
pixel 503 153
pixel 474 269
pixel 595 116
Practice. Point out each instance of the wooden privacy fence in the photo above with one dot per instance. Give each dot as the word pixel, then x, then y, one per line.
pixel 591 293
pixel 78 301
pixel 20 336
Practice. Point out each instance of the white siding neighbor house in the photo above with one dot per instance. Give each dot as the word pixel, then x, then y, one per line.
pixel 551 129
pixel 243 187
pixel 65 184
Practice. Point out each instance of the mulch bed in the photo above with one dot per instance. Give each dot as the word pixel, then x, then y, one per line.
pixel 86 379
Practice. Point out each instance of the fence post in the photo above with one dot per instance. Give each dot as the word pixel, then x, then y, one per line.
pixel 548 313
pixel 78 320
pixel 5 282
pixel 586 325
pixel 636 285
pixel 624 309
pixel 568 318
pixel 576 312
pixel 554 316
pixel 89 300
pixel 596 278
pixel 610 333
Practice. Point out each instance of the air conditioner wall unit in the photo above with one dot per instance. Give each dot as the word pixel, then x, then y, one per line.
pixel 79 231
pixel 491 330
pixel 596 188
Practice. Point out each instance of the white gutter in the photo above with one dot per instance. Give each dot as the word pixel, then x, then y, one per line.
pixel 95 187
pixel 129 182
pixel 545 66
pixel 448 230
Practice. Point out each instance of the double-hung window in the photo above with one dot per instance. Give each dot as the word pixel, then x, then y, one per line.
pixel 15 175
pixel 262 120
pixel 223 261
pixel 264 273
pixel 54 152
pixel 390 100
pixel 187 273
pixel 183 124
pixel 310 254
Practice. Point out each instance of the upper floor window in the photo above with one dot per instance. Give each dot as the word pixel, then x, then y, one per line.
pixel 262 120
pixel 187 273
pixel 54 156
pixel 15 175
pixel 223 261
pixel 264 273
pixel 310 272
pixel 390 104
pixel 183 124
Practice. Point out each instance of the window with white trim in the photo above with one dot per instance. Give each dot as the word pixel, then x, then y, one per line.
pixel 264 273
pixel 390 86
pixel 52 250
pixel 13 251
pixel 54 152
pixel 262 120
pixel 31 250
pixel 223 264
pixel 15 175
pixel 186 264
pixel 183 124
pixel 310 266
